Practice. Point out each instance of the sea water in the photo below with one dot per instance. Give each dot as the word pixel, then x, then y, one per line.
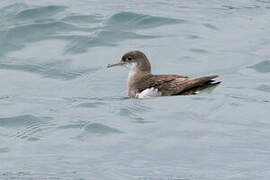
pixel 63 115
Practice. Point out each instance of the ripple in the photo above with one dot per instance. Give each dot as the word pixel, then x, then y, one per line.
pixel 126 112
pixel 197 50
pixel 264 88
pixel 90 128
pixel 229 7
pixel 102 99
pixel 263 1
pixel 116 29
pixel 8 12
pixel 25 126
pixel 30 175
pixel 40 12
pixel 262 67
pixel 193 37
pixel 250 99
pixel 211 26
pixel 90 104
pixel 17 37
pixel 136 112
pixel 17 121
pixel 4 150
pixel 82 19
pixel 72 126
pixel 97 129
pixel 237 7
pixel 107 35
pixel 58 69
pixel 38 30
pixel 134 108
pixel 103 38
pixel 4 97
pixel 130 20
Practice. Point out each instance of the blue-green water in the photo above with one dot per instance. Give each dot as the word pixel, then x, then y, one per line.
pixel 63 115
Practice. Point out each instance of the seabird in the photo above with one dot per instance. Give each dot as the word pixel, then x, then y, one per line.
pixel 142 83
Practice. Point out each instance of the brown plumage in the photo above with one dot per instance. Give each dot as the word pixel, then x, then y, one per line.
pixel 140 78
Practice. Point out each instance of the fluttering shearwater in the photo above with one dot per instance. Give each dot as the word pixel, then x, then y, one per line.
pixel 142 83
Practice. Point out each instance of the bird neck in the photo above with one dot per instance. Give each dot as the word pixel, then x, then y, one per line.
pixel 135 76
pixel 137 69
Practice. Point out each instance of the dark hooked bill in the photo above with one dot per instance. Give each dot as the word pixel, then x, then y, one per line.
pixel 117 64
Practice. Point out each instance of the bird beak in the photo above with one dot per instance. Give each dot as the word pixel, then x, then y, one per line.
pixel 117 64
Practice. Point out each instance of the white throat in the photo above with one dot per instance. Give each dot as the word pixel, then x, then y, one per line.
pixel 132 70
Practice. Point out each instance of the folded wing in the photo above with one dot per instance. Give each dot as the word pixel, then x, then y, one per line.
pixel 176 84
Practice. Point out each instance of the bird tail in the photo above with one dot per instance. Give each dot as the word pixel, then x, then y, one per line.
pixel 193 86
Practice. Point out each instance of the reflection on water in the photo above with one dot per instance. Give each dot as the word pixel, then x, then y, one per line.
pixel 64 116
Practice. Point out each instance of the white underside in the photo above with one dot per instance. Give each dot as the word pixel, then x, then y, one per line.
pixel 148 93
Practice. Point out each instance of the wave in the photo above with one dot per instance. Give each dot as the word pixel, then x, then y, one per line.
pixel 98 128
pixel 130 20
pixel 82 19
pixel 117 28
pixel 262 67
pixel 81 32
pixel 17 37
pixel 103 38
pixel 40 12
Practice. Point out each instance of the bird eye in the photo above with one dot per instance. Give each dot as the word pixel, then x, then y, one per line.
pixel 129 58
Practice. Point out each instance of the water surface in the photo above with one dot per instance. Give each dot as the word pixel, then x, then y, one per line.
pixel 63 115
